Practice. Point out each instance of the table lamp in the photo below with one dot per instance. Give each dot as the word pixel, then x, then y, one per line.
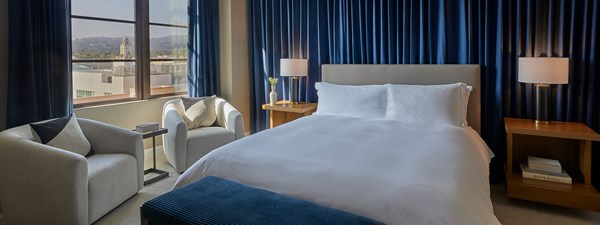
pixel 542 72
pixel 293 68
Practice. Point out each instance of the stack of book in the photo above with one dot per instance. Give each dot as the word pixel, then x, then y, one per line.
pixel 545 169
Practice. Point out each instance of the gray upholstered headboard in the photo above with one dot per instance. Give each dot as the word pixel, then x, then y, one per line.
pixel 356 74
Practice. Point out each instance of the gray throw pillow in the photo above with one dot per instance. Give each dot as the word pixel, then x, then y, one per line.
pixel 202 113
pixel 63 133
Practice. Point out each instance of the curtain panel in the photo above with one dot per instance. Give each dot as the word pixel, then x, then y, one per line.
pixel 491 33
pixel 39 65
pixel 203 48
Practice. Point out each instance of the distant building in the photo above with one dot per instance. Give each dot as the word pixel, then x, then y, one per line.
pixel 89 82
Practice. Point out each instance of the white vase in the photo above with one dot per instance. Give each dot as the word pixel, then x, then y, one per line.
pixel 273 96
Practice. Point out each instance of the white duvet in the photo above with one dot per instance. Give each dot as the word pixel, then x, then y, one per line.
pixel 390 171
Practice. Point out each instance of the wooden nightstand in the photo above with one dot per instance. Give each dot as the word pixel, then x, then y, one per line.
pixel 570 143
pixel 283 112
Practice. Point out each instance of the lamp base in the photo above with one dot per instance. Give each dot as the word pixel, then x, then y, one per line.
pixel 294 90
pixel 541 93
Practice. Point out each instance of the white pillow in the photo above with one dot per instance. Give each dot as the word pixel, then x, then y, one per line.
pixel 202 113
pixel 365 101
pixel 429 104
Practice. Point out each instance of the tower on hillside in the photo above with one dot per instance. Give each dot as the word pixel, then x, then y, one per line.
pixel 125 50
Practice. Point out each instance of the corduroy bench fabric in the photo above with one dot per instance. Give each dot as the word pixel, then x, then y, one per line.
pixel 213 200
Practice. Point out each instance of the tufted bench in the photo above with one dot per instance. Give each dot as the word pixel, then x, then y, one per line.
pixel 213 200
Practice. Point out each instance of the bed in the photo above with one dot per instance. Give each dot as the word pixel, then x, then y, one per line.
pixel 393 171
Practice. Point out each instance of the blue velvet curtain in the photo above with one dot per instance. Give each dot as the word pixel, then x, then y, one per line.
pixel 203 48
pixel 491 33
pixel 39 67
pixel 278 29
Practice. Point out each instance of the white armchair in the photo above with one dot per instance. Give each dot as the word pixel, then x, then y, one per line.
pixel 184 147
pixel 41 184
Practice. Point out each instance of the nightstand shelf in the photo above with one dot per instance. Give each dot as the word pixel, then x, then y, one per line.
pixel 570 143
pixel 576 195
pixel 283 112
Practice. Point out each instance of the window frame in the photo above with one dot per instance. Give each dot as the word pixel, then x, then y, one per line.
pixel 161 60
pixel 142 58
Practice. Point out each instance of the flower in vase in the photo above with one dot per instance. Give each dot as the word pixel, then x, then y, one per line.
pixel 273 81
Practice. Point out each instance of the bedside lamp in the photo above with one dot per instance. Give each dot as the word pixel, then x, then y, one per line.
pixel 293 68
pixel 543 72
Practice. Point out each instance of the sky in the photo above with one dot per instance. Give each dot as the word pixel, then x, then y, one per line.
pixel 161 11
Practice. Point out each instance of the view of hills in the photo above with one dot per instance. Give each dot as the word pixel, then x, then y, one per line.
pixel 174 46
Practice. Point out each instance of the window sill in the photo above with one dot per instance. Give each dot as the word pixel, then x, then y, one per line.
pixel 122 102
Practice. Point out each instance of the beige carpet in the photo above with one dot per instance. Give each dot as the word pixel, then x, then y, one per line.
pixel 508 211
pixel 521 212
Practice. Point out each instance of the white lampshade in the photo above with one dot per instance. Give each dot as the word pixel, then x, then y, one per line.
pixel 544 70
pixel 294 67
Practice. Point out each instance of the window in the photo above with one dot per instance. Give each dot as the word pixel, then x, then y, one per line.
pixel 119 55
pixel 84 94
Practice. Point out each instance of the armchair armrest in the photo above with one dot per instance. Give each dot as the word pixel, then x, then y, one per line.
pixel 41 184
pixel 230 118
pixel 175 141
pixel 106 138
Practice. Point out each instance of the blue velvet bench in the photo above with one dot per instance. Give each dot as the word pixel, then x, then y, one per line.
pixel 213 200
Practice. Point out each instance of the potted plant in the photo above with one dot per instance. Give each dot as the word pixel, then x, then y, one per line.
pixel 273 95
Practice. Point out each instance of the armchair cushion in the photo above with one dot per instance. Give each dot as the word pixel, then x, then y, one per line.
pixel 202 113
pixel 203 140
pixel 63 133
pixel 108 139
pixel 110 179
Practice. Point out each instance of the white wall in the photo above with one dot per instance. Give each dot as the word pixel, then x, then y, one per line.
pixel 3 61
pixel 128 115
pixel 235 71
